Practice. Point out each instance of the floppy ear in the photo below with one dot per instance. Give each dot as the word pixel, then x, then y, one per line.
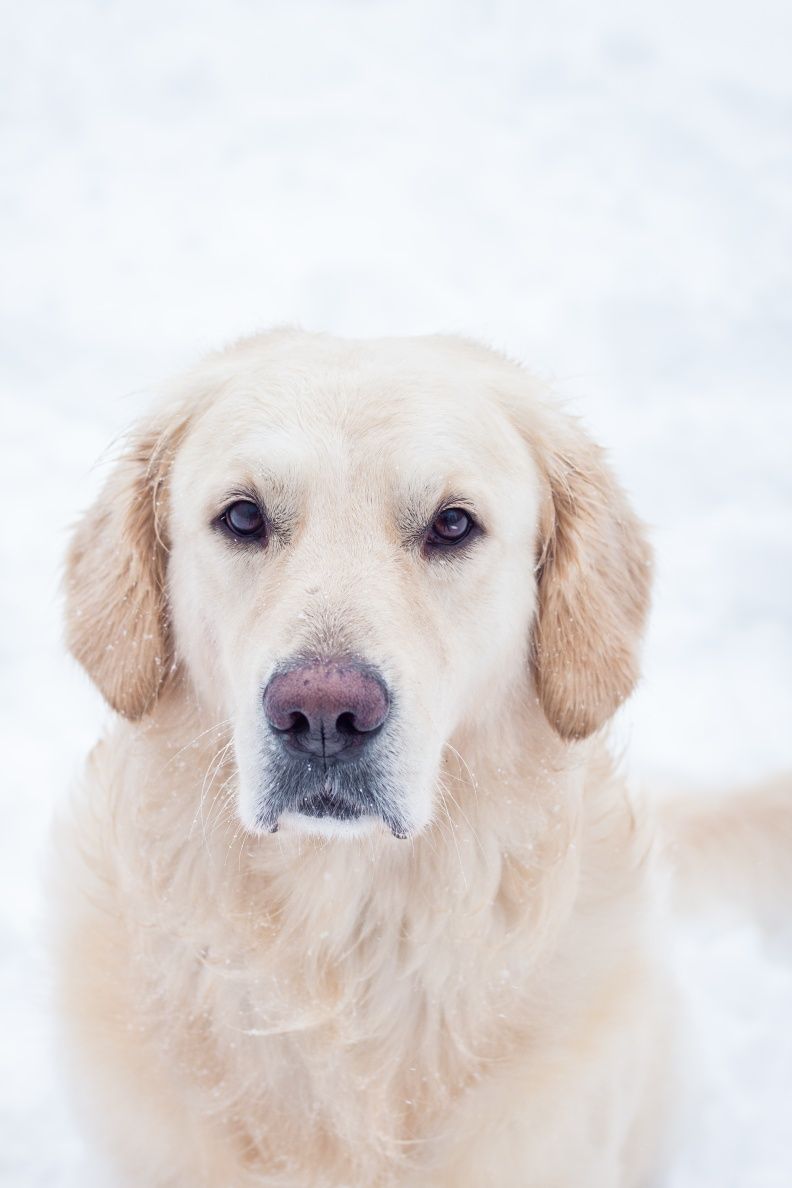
pixel 594 570
pixel 116 614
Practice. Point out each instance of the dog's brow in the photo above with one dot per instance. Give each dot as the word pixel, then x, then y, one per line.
pixel 277 491
pixel 273 491
pixel 421 504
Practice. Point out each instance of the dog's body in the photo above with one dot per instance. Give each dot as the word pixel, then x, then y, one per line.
pixel 480 1007
pixel 453 980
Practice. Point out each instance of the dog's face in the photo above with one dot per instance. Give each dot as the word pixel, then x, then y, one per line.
pixel 355 552
pixel 351 576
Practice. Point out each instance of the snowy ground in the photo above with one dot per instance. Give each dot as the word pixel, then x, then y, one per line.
pixel 603 189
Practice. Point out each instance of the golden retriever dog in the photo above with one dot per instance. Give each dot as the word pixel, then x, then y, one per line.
pixel 351 893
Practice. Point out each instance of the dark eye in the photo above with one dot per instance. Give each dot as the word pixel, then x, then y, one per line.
pixel 450 527
pixel 244 520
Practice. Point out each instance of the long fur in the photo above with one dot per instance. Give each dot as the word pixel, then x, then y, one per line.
pixel 483 1003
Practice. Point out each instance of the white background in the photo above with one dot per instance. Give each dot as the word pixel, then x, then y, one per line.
pixel 602 189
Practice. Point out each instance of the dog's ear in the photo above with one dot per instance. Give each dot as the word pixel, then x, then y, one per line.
pixel 594 576
pixel 116 612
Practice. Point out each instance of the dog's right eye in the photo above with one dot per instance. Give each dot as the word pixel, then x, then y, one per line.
pixel 244 520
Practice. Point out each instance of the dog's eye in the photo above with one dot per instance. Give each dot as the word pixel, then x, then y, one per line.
pixel 450 527
pixel 244 520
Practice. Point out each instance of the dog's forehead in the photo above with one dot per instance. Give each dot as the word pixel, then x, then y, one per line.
pixel 391 409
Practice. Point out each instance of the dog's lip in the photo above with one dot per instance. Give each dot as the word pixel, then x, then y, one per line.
pixel 328 804
pixel 327 798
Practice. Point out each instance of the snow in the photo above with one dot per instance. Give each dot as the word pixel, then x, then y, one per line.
pixel 603 190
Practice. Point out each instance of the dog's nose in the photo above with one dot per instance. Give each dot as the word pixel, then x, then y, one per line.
pixel 326 707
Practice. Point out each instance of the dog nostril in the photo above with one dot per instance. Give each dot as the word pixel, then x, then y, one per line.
pixel 345 724
pixel 325 707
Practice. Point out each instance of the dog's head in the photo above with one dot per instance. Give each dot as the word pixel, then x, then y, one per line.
pixel 354 551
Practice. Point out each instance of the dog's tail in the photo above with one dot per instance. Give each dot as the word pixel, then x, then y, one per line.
pixel 733 849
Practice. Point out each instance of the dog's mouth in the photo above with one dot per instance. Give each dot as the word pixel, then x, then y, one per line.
pixel 352 797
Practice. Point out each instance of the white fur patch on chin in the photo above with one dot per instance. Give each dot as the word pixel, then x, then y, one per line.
pixel 328 826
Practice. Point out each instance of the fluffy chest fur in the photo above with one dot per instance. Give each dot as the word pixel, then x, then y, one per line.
pixel 291 1005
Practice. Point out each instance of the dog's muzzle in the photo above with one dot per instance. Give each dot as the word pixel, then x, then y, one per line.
pixel 325 724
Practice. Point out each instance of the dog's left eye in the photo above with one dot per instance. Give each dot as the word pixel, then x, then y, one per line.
pixel 244 520
pixel 450 527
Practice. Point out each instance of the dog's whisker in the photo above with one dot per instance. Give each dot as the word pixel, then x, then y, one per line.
pixel 223 822
pixel 467 767
pixel 237 831
pixel 222 802
pixel 221 725
pixel 452 828
pixel 473 831
pixel 219 764
pixel 213 767
pixel 209 775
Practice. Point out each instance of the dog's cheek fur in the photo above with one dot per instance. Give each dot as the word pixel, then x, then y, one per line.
pixel 116 613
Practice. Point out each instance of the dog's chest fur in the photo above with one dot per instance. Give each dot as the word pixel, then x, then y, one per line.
pixel 295 1005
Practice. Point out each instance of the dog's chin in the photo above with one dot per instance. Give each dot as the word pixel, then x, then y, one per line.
pixel 339 800
pixel 344 828
pixel 326 811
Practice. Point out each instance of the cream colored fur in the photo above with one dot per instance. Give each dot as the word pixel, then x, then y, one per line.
pixel 480 1004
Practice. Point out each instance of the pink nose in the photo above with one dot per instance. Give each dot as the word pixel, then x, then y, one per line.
pixel 326 707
